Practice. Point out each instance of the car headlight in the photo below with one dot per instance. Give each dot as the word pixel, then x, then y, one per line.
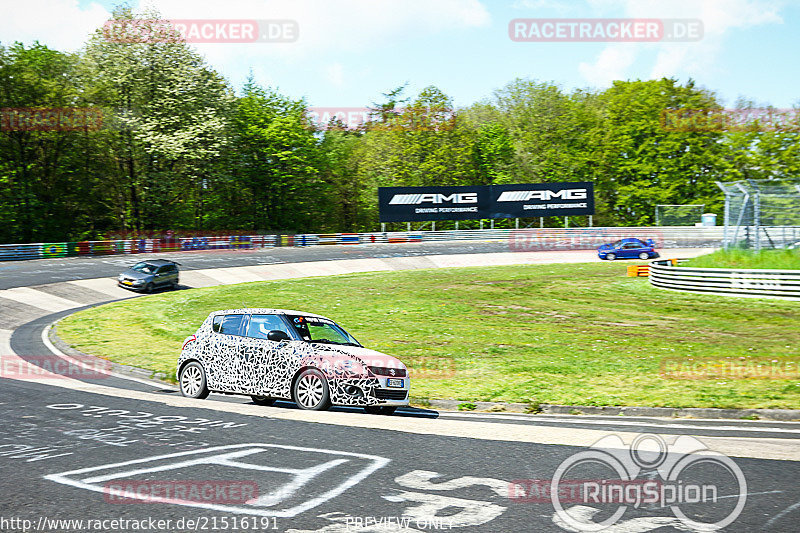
pixel 138 282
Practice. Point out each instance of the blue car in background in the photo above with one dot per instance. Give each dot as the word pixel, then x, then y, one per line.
pixel 628 249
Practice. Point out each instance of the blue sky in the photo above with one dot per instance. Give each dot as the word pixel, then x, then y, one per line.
pixel 351 51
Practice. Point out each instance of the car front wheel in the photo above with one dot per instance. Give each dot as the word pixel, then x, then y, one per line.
pixel 644 256
pixel 310 391
pixel 611 257
pixel 193 381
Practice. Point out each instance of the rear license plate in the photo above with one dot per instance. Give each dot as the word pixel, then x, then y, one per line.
pixel 394 383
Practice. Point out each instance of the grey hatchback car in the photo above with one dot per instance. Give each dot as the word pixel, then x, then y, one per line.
pixel 148 275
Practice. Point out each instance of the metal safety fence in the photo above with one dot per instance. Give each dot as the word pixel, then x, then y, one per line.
pixel 518 240
pixel 761 214
pixel 753 283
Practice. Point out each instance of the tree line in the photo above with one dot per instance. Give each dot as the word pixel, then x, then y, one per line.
pixel 177 147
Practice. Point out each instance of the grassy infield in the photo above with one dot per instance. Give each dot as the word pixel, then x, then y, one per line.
pixel 563 334
pixel 781 259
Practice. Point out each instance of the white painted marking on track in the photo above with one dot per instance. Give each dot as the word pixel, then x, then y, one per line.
pixel 786 449
pixel 421 480
pixel 226 458
pixel 781 515
pixel 470 512
pixel 230 276
pixel 584 514
pixel 5 342
pixel 106 286
pixel 635 423
pixel 39 299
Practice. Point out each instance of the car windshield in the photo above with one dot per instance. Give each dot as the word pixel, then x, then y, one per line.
pixel 616 244
pixel 145 268
pixel 321 330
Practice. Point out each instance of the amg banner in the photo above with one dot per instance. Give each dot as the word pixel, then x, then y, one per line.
pixel 408 204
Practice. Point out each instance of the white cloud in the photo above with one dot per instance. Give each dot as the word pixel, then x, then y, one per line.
pixel 341 26
pixel 720 18
pixel 558 6
pixel 60 24
pixel 346 25
pixel 333 31
pixel 335 74
pixel 612 64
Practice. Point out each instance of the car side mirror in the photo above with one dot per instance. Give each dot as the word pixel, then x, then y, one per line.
pixel 278 336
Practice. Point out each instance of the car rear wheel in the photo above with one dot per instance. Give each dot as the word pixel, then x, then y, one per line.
pixel 193 381
pixel 378 410
pixel 310 391
pixel 262 400
pixel 644 256
pixel 611 257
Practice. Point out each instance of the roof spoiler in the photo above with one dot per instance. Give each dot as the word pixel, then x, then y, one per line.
pixel 650 242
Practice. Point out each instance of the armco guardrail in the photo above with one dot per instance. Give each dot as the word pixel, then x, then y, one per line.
pixel 519 240
pixel 752 283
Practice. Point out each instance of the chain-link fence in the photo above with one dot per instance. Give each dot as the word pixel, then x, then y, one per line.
pixel 679 215
pixel 761 214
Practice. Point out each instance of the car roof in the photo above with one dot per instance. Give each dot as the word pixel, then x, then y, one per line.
pixel 632 239
pixel 157 262
pixel 264 311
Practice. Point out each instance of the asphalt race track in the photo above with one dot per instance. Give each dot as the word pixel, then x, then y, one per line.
pixel 42 271
pixel 82 449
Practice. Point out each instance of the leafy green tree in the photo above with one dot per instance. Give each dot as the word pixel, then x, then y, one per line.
pixel 340 171
pixel 47 173
pixel 493 154
pixel 549 130
pixel 277 160
pixel 644 163
pixel 170 120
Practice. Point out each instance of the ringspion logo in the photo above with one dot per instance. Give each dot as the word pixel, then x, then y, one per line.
pixel 704 490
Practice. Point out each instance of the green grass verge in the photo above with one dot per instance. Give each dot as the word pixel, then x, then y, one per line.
pixel 734 258
pixel 564 334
